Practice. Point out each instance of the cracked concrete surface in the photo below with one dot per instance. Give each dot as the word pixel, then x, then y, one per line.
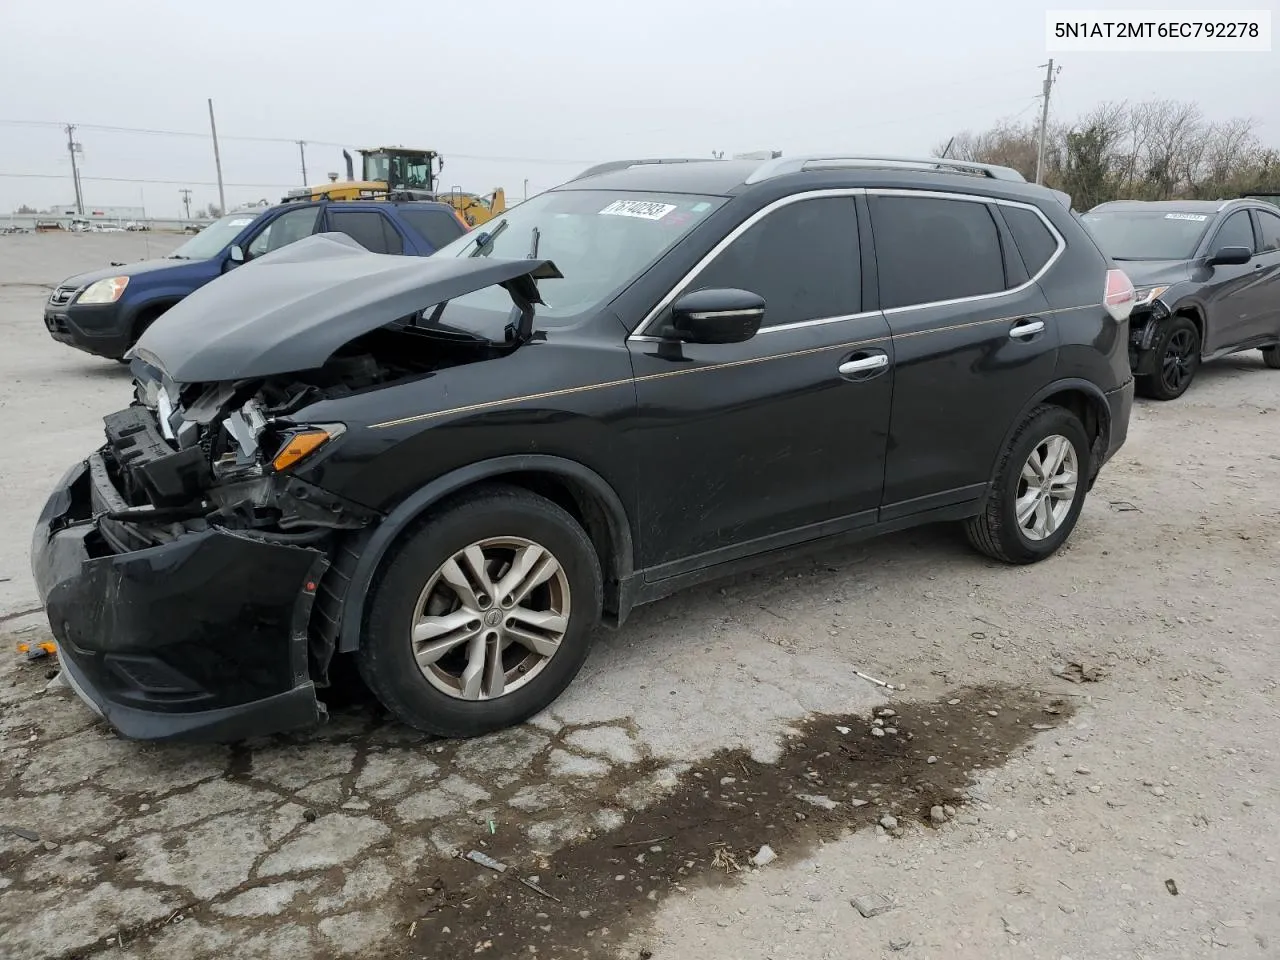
pixel 314 846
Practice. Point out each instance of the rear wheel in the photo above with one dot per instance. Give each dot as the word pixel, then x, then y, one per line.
pixel 484 615
pixel 1038 491
pixel 1177 360
pixel 1271 357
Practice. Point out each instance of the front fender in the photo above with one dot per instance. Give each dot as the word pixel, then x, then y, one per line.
pixel 375 548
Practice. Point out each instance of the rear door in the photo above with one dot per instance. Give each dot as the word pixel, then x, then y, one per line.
pixel 973 340
pixel 744 447
pixel 367 226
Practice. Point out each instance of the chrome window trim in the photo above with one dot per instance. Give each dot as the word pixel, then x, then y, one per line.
pixel 639 334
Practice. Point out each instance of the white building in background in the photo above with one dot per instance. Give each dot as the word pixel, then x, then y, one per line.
pixel 96 213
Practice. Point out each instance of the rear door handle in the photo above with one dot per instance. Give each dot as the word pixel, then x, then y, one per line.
pixel 1028 328
pixel 863 364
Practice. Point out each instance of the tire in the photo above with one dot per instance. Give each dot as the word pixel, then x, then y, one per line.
pixel 1271 357
pixel 996 531
pixel 1177 360
pixel 413 588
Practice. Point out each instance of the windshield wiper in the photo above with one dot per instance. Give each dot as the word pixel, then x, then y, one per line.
pixel 176 256
pixel 484 242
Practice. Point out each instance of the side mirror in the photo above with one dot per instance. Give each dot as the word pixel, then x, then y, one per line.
pixel 717 316
pixel 237 253
pixel 1231 256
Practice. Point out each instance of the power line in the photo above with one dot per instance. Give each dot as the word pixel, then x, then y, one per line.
pixel 197 183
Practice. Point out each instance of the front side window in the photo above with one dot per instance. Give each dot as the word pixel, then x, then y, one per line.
pixel 801 258
pixel 600 240
pixel 284 230
pixel 1160 234
pixel 1269 224
pixel 930 250
pixel 1236 231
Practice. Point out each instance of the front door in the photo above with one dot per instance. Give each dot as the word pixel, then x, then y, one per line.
pixel 973 339
pixel 1231 292
pixel 749 446
pixel 1266 318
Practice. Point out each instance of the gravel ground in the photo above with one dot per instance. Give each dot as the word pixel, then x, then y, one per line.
pixel 1130 816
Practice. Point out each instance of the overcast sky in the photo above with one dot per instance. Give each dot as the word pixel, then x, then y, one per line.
pixel 503 88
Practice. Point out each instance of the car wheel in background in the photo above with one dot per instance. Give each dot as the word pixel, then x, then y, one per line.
pixel 1038 491
pixel 484 614
pixel 1177 360
pixel 1271 357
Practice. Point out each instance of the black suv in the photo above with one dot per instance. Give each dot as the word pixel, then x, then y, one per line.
pixel 454 468
pixel 1208 279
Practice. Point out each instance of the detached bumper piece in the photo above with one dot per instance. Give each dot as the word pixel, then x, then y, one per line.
pixel 202 637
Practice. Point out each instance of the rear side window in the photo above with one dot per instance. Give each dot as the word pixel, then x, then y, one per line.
pixel 1270 226
pixel 368 228
pixel 1036 244
pixel 438 227
pixel 802 259
pixel 930 250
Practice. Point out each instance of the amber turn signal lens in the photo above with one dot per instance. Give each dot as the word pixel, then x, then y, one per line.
pixel 299 445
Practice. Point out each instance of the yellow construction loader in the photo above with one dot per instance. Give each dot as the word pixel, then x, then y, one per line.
pixel 406 174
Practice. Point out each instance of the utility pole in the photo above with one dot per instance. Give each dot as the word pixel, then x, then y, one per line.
pixel 302 152
pixel 217 160
pixel 1049 74
pixel 73 148
pixel 186 200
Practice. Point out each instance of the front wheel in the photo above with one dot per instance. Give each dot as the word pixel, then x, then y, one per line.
pixel 1038 491
pixel 1271 357
pixel 483 616
pixel 1177 360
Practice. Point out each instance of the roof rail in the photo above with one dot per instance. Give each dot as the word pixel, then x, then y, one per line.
pixel 785 165
pixel 612 165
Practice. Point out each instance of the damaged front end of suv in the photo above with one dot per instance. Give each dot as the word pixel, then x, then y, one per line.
pixel 181 561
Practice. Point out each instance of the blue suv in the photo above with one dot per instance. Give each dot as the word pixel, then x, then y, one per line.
pixel 105 311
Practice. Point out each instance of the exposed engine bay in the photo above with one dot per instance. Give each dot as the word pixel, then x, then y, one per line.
pixel 184 456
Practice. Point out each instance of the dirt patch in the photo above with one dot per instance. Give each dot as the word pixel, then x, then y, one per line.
pixel 834 775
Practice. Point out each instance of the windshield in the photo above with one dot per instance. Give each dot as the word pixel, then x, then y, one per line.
pixel 214 238
pixel 1147 234
pixel 600 241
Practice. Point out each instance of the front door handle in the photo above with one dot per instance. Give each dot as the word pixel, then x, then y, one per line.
pixel 1028 328
pixel 875 361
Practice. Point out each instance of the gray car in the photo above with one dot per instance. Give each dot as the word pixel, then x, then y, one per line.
pixel 1207 274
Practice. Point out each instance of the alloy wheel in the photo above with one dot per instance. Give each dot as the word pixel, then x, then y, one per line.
pixel 1176 366
pixel 1047 487
pixel 490 618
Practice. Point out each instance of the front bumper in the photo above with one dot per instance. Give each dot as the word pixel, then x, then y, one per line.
pixel 100 329
pixel 203 637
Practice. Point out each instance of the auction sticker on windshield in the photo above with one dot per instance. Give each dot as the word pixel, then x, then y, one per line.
pixel 644 209
pixel 1198 217
pixel 244 222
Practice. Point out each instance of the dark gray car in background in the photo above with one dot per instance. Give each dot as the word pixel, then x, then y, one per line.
pixel 1207 275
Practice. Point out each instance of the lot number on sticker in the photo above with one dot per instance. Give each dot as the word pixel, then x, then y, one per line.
pixel 1198 217
pixel 644 209
pixel 241 223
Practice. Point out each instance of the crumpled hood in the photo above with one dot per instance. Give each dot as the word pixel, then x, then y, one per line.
pixel 1151 273
pixel 291 309
pixel 124 270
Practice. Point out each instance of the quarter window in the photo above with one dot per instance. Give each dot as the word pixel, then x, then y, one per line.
pixel 284 230
pixel 802 259
pixel 1269 224
pixel 1034 241
pixel 930 250
pixel 1236 231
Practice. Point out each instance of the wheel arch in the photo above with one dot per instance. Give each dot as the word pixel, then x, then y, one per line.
pixel 582 492
pixel 1194 312
pixel 1083 398
pixel 148 310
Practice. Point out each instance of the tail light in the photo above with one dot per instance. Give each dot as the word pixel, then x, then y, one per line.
pixel 1118 298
